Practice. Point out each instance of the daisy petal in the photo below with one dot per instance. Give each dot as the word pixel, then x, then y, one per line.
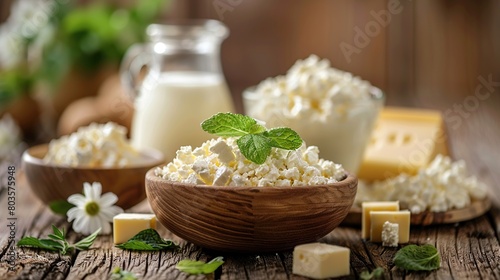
pixel 108 199
pixel 105 229
pixel 95 224
pixel 73 213
pixel 97 188
pixel 87 191
pixel 77 200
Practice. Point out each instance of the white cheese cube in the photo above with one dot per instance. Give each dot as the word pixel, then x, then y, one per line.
pixel 126 225
pixel 390 234
pixel 318 260
pixel 224 152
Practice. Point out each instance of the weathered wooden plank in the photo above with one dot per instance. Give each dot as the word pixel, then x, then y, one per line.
pixel 33 219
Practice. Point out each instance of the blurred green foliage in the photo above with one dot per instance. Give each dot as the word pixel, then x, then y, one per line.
pixel 85 37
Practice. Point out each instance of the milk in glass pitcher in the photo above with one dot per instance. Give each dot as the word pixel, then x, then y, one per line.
pixel 183 86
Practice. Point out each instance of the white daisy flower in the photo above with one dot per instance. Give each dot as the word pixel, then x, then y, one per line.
pixel 93 211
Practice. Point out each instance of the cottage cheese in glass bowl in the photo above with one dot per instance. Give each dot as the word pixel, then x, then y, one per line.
pixel 329 108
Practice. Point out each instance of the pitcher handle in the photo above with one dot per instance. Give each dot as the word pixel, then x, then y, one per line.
pixel 136 57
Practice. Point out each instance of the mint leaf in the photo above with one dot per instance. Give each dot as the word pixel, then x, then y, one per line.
pixel 85 243
pixel 199 267
pixel 255 147
pixel 147 240
pixel 255 141
pixel 60 207
pixel 45 244
pixel 284 138
pixel 231 125
pixel 120 274
pixel 418 258
pixel 377 273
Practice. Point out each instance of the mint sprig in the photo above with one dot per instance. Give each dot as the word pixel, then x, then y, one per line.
pixel 418 258
pixel 57 242
pixel 147 240
pixel 199 267
pixel 255 140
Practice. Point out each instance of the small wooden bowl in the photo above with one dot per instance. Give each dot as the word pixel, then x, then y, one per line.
pixel 249 219
pixel 52 182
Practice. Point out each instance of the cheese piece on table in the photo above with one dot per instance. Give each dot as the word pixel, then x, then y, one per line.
pixel 378 218
pixel 366 207
pixel 126 225
pixel 318 260
pixel 390 234
pixel 403 141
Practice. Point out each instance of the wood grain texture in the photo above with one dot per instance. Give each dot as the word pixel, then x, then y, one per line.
pixel 50 182
pixel 249 219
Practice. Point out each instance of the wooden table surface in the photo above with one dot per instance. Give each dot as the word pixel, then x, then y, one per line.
pixel 469 250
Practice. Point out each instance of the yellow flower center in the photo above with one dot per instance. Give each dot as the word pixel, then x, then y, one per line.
pixel 92 208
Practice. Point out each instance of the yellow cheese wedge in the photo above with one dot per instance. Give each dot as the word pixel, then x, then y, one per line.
pixel 319 260
pixel 378 218
pixel 367 207
pixel 404 140
pixel 126 225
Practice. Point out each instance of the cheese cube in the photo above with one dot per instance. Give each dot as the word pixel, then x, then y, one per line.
pixel 374 206
pixel 126 225
pixel 403 141
pixel 378 218
pixel 318 260
pixel 390 234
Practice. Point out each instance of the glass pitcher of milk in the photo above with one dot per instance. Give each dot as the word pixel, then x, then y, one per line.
pixel 183 86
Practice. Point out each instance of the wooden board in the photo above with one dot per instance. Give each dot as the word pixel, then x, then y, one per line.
pixel 474 210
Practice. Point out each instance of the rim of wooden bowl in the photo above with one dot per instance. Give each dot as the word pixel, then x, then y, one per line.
pixel 34 155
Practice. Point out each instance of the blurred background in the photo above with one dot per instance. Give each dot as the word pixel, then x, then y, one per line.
pixel 59 61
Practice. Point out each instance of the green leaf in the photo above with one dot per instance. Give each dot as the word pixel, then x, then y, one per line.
pixel 418 258
pixel 377 273
pixel 147 240
pixel 46 244
pixel 120 274
pixel 284 138
pixel 255 147
pixel 255 141
pixel 58 233
pixel 60 207
pixel 231 125
pixel 57 242
pixel 85 243
pixel 199 267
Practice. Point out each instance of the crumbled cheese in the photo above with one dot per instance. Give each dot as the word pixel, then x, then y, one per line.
pixel 441 186
pixel 311 89
pixel 96 145
pixel 390 234
pixel 219 162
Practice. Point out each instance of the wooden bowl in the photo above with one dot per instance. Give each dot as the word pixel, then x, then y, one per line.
pixel 249 219
pixel 52 182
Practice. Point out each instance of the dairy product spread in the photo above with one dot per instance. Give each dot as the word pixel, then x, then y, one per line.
pixel 329 108
pixel 442 185
pixel 220 162
pixel 96 145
